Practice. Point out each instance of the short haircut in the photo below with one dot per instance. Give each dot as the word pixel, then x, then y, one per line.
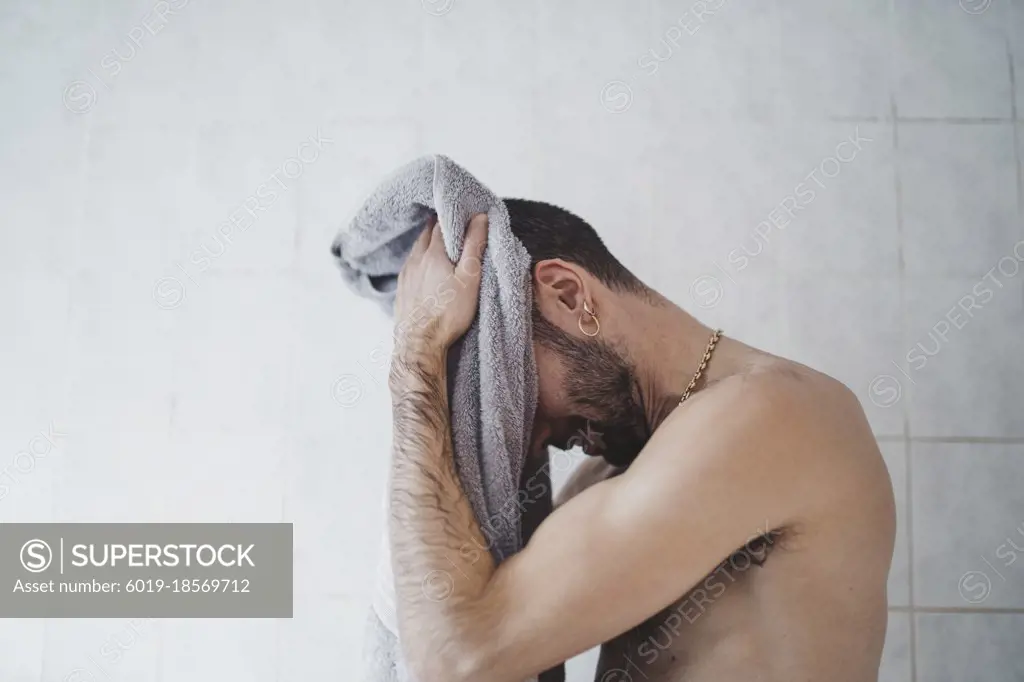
pixel 548 231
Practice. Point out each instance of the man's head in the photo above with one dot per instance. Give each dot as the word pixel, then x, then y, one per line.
pixel 588 388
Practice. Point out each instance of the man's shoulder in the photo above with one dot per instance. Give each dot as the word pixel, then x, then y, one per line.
pixel 779 414
pixel 784 442
pixel 774 394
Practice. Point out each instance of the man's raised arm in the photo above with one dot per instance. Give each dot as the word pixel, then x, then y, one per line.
pixel 439 591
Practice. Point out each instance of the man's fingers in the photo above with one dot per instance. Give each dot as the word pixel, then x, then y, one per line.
pixel 436 239
pixel 422 241
pixel 471 260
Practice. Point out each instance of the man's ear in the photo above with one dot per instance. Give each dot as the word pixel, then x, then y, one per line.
pixel 560 290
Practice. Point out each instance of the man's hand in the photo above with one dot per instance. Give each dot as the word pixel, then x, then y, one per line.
pixel 437 299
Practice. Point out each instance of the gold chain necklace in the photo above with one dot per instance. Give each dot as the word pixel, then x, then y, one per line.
pixel 703 364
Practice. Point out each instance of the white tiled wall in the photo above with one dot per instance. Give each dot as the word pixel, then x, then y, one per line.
pixel 188 368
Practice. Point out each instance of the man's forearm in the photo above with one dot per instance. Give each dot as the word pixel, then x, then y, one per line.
pixel 439 585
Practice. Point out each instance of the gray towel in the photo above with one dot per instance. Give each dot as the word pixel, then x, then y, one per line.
pixel 494 373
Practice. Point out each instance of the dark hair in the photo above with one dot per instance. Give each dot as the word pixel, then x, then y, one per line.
pixel 548 231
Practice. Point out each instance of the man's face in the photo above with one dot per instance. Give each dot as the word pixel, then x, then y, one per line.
pixel 588 395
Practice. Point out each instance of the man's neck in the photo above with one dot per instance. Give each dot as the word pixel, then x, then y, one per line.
pixel 668 350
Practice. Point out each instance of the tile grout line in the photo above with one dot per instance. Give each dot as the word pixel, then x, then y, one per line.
pixel 976 440
pixel 1013 116
pixel 901 260
pixel 950 610
pixel 908 510
pixel 902 286
pixel 1016 145
pixel 957 120
pixel 889 438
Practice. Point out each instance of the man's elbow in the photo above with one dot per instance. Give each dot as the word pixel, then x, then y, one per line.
pixel 456 661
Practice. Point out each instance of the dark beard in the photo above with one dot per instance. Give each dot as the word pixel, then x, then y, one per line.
pixel 602 388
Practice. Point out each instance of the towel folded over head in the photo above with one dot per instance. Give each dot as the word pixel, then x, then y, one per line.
pixel 493 384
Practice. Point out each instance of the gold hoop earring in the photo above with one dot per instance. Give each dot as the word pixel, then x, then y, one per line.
pixel 593 315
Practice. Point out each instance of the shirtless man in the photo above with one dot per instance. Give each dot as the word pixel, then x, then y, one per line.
pixel 743 533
